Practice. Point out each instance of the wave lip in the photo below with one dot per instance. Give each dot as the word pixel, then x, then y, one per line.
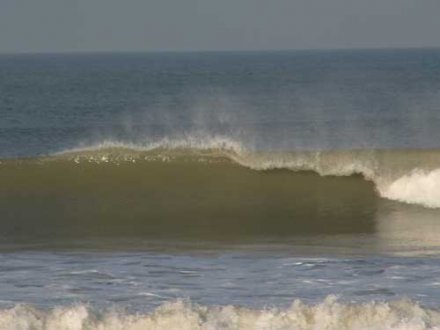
pixel 329 314
pixel 188 142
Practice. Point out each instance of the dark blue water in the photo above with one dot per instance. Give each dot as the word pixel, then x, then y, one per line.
pixel 269 100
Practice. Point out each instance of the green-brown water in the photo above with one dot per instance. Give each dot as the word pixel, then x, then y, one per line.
pixel 125 198
pixel 185 199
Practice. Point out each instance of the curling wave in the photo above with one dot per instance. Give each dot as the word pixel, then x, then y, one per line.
pixel 409 176
pixel 212 190
pixel 329 314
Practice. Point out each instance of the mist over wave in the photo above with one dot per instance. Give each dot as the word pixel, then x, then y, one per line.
pixel 329 314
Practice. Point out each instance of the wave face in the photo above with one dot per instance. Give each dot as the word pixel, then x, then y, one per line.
pixel 185 193
pixel 330 314
pixel 211 189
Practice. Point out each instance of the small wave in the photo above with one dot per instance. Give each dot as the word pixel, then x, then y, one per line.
pixel 329 314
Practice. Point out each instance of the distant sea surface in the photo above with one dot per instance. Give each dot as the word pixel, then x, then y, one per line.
pixel 220 190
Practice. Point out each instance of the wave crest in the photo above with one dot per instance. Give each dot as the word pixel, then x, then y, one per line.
pixel 187 142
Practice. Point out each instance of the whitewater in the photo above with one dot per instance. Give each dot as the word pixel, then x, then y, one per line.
pixel 330 314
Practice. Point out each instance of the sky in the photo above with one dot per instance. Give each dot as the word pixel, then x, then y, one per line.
pixel 157 25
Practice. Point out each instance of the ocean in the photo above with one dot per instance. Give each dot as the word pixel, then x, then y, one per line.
pixel 220 190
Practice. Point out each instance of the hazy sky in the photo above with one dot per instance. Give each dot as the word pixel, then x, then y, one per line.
pixel 95 25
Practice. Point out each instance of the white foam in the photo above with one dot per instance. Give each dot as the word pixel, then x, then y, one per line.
pixel 328 315
pixel 417 187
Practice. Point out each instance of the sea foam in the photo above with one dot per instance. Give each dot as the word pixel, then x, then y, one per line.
pixel 417 187
pixel 329 315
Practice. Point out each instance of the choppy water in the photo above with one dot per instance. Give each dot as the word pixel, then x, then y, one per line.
pixel 213 190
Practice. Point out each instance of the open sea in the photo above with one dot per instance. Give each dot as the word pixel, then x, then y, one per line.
pixel 220 190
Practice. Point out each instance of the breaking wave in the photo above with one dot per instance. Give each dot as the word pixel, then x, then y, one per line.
pixel 409 176
pixel 417 187
pixel 329 314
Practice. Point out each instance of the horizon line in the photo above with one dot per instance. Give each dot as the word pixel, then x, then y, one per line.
pixel 176 51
